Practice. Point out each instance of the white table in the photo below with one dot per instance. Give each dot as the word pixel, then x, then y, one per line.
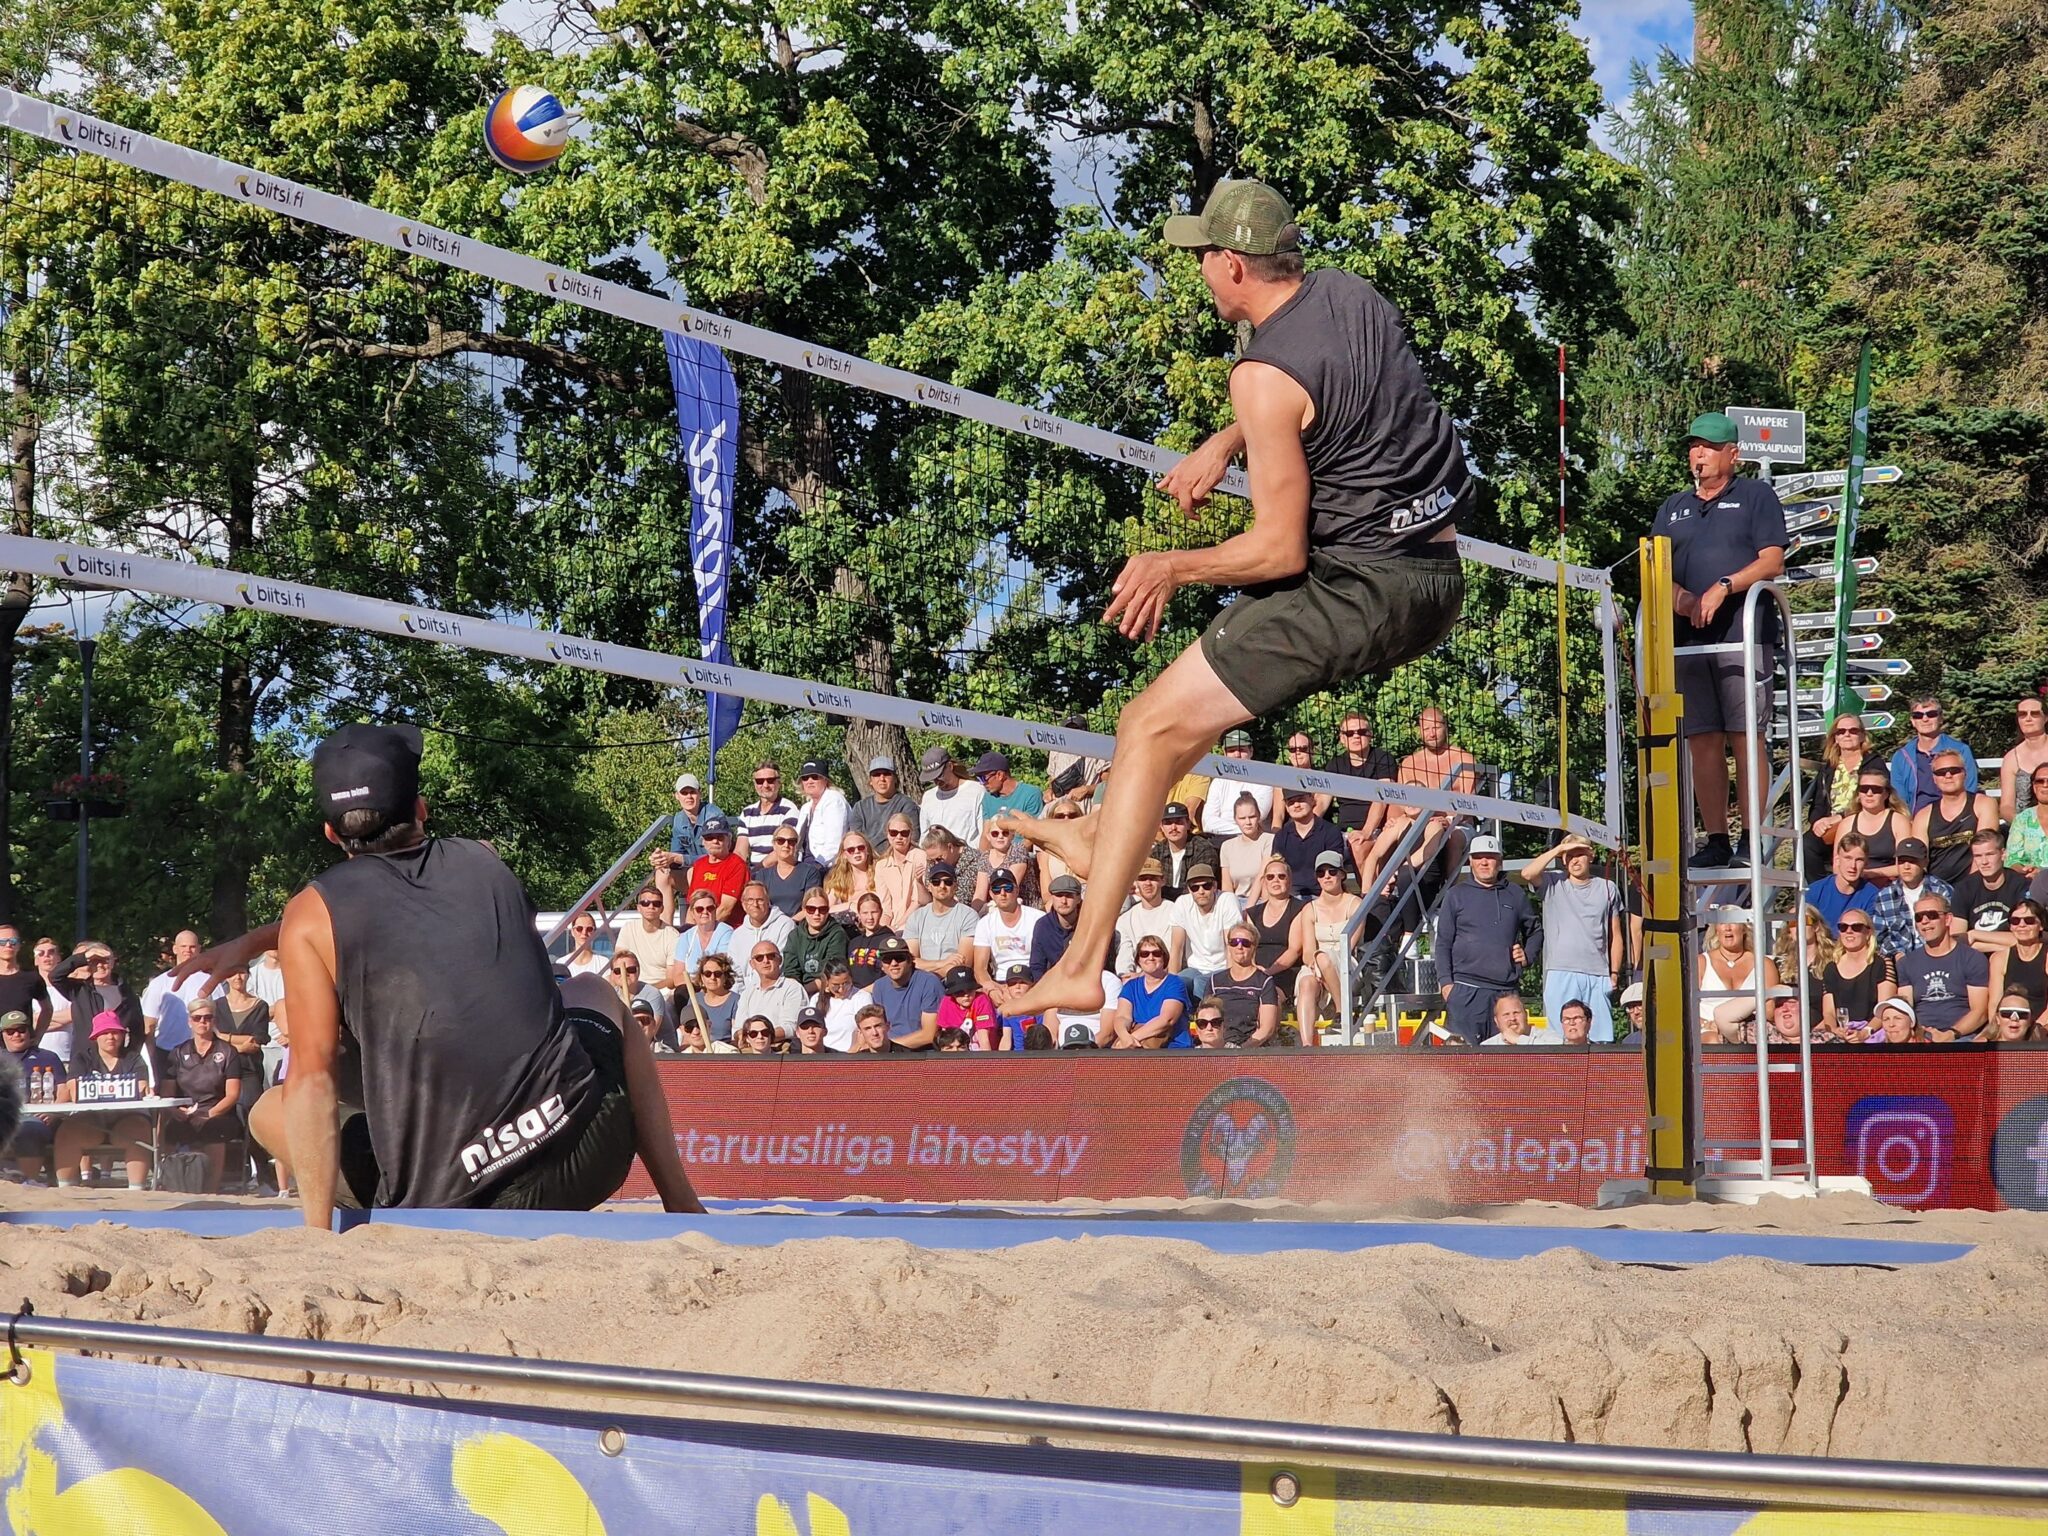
pixel 152 1107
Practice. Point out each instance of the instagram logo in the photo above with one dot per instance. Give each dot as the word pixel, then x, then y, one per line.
pixel 1902 1143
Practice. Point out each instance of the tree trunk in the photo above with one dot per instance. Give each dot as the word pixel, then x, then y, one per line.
pixel 23 434
pixel 812 482
pixel 234 734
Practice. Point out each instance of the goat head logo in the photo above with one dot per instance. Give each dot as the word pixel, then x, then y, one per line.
pixel 1239 1141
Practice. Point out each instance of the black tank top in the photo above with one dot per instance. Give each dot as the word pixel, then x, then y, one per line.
pixel 1881 846
pixel 1856 996
pixel 2028 976
pixel 1385 465
pixel 1948 841
pixel 468 1064
pixel 1273 938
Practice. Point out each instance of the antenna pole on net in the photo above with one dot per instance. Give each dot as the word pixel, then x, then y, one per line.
pixel 1563 714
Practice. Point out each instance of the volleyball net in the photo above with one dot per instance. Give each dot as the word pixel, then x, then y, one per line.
pixel 270 404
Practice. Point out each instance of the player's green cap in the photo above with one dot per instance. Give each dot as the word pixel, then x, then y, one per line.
pixel 1245 216
pixel 1712 427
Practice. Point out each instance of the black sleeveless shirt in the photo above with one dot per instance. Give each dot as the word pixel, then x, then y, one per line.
pixel 1385 464
pixel 447 996
pixel 1948 841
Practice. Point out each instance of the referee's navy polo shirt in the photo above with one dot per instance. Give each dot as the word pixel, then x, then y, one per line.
pixel 1712 539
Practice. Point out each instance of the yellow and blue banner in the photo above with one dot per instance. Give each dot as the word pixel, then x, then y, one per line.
pixel 93 1447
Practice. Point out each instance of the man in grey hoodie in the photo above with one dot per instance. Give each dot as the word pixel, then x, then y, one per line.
pixel 1487 934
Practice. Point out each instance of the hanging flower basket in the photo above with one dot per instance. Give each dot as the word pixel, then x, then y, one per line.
pixel 88 794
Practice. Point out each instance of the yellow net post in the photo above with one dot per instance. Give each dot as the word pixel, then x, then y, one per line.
pixel 1670 1033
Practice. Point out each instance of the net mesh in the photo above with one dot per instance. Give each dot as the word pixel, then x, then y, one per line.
pixel 217 380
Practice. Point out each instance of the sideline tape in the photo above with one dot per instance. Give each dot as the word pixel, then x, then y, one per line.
pixel 119 570
pixel 294 200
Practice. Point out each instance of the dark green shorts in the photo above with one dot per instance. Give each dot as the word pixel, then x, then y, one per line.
pixel 579 1173
pixel 1342 619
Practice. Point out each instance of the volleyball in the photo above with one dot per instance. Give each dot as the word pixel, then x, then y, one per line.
pixel 527 128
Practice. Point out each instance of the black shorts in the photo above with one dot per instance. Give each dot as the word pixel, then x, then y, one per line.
pixel 1345 617
pixel 577 1173
pixel 1713 688
pixel 180 1132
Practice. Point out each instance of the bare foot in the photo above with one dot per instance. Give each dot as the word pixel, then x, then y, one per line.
pixel 1076 989
pixel 1071 838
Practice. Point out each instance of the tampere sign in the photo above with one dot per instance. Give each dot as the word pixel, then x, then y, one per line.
pixel 1777 437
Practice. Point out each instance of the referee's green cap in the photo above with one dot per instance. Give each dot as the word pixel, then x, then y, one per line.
pixel 1712 427
pixel 1244 216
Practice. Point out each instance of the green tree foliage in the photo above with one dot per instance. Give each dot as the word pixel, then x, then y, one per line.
pixel 1946 270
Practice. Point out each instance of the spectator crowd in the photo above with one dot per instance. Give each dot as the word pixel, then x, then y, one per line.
pixel 819 924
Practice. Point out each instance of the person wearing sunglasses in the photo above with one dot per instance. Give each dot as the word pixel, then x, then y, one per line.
pixel 1912 765
pixel 883 803
pixel 2026 759
pixel 821 815
pixel 769 809
pixel 42 1074
pixel 851 876
pixel 704 936
pixel 816 944
pixel 649 936
pixel 1359 820
pixel 1947 981
pixel 1150 1011
pixel 899 865
pixel 908 996
pixel 583 958
pixel 56 1035
pixel 491 1086
pixel 718 871
pixel 785 871
pixel 1879 817
pixel 1957 815
pixel 716 1002
pixel 1201 917
pixel 941 932
pixel 1245 991
pixel 767 991
pixel 1207 1030
pixel 2026 841
pixel 2015 1020
pixel 2023 966
pixel 1855 981
pixel 758 1037
pixel 1847 757
pixel 22 987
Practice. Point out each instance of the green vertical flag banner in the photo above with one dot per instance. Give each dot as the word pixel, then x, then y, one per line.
pixel 1835 683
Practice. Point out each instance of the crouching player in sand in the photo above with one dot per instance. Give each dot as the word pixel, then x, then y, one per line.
pixel 435 1061
pixel 1350 566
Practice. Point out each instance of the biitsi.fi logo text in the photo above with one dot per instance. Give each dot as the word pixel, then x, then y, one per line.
pixel 1904 1143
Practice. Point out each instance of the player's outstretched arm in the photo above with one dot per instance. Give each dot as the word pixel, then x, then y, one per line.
pixel 305 952
pixel 654 1135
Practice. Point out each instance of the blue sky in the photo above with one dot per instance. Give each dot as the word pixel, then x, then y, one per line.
pixel 1617 31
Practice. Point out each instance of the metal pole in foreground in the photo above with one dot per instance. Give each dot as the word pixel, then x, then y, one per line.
pixel 1523 1463
pixel 86 647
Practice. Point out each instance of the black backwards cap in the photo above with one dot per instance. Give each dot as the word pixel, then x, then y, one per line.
pixel 367 768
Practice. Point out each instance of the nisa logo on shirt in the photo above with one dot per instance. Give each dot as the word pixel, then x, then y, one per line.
pixel 500 1144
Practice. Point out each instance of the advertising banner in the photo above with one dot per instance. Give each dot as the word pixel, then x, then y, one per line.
pixel 1928 1126
pixel 93 1447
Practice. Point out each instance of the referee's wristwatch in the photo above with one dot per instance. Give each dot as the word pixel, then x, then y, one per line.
pixel 1727 582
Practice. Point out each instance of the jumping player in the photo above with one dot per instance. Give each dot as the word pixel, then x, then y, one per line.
pixel 1350 565
pixel 413 965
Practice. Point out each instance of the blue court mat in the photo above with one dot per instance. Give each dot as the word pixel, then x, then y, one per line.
pixel 955 1228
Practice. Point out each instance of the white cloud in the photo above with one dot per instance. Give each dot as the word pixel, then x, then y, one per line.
pixel 1619 33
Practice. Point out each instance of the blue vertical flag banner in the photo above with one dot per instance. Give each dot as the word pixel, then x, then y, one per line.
pixel 708 418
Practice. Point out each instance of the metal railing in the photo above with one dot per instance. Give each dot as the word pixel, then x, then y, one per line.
pixel 1524 1463
pixel 1759 787
pixel 1354 968
pixel 603 881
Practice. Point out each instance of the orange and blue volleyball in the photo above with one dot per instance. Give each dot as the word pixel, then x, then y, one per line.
pixel 527 128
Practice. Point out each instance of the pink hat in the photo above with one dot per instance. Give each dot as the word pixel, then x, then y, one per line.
pixel 107 1023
